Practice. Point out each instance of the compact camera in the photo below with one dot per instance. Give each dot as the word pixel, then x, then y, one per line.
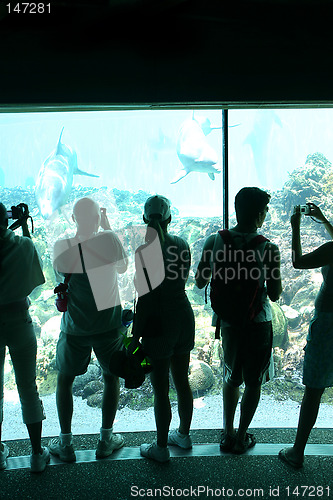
pixel 303 209
pixel 18 211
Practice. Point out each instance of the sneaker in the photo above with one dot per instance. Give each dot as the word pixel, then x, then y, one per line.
pixel 155 452
pixel 66 453
pixel 182 440
pixel 105 448
pixel 3 456
pixel 38 461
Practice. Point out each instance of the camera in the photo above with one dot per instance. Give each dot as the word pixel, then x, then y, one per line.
pixel 303 209
pixel 18 211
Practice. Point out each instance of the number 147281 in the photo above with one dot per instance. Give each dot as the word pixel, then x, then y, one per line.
pixel 28 8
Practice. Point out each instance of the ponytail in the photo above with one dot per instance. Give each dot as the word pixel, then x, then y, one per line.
pixel 159 227
pixel 154 224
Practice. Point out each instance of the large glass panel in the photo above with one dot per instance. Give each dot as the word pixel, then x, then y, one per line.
pixel 130 155
pixel 289 153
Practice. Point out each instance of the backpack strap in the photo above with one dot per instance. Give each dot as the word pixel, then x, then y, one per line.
pixel 256 241
pixel 227 240
pixel 226 236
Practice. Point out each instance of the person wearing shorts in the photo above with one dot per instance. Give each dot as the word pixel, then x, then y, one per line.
pixel 247 349
pixel 318 359
pixel 91 260
pixel 171 325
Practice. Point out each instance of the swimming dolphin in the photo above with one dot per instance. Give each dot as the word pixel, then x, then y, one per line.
pixel 193 150
pixel 161 142
pixel 55 179
pixel 259 139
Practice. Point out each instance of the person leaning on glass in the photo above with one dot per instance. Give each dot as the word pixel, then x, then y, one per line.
pixel 318 359
pixel 20 274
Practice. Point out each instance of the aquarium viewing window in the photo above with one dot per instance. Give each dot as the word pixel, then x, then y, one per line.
pixel 198 159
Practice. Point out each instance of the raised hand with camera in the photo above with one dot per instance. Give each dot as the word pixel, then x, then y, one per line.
pixel 20 214
pixel 322 255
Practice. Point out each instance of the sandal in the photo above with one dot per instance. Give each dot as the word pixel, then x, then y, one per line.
pixel 284 457
pixel 227 442
pixel 241 447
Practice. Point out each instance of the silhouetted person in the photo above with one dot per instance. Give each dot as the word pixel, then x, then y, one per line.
pixel 318 358
pixel 170 321
pixel 246 341
pixel 20 274
pixel 91 260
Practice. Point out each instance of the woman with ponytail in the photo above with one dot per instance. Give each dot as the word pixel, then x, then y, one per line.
pixel 165 322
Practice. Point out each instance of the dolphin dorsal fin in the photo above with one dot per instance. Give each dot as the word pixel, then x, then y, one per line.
pixel 59 141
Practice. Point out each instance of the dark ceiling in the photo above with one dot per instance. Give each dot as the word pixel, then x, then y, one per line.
pixel 167 51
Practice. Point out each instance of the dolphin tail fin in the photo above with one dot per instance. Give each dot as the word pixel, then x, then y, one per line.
pixel 59 141
pixel 181 174
pixel 77 171
pixel 211 176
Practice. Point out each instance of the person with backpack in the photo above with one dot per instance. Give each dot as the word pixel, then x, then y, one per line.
pixel 243 268
pixel 165 321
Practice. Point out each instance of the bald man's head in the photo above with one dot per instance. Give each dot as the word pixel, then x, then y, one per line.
pixel 87 215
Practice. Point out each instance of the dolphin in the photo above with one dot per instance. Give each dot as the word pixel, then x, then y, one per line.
pixel 193 150
pixel 55 179
pixel 161 142
pixel 264 127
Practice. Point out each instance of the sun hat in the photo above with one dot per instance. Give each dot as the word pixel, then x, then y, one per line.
pixel 158 205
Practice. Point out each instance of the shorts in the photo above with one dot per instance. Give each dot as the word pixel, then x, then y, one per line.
pixel 178 333
pixel 318 359
pixel 74 351
pixel 247 353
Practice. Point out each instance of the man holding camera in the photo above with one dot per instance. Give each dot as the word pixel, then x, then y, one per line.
pixel 20 274
pixel 91 262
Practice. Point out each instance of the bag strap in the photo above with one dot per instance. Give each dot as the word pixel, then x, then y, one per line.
pixel 145 271
pixel 67 278
pixel 82 261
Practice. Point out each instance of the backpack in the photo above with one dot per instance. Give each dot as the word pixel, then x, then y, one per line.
pixel 236 284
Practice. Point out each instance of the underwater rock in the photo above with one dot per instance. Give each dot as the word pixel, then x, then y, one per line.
pixel 293 361
pixel 279 322
pixel 201 376
pixel 91 388
pixel 95 400
pixel 292 316
pixel 93 373
pixel 304 296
